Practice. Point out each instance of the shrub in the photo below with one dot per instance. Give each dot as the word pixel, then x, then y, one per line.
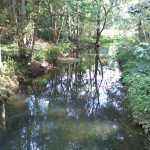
pixel 125 53
pixel 136 76
pixel 39 55
pixel 106 39
pixel 142 51
pixel 55 51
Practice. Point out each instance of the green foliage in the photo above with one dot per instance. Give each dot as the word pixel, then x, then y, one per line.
pixel 126 53
pixel 106 39
pixel 9 51
pixel 7 80
pixel 39 55
pixel 86 40
pixel 3 94
pixel 139 91
pixel 46 33
pixel 136 76
pixel 57 50
pixel 142 51
pixel 141 19
pixel 26 51
pixel 142 68
pixel 141 10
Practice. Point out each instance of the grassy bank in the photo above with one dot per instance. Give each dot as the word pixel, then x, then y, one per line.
pixel 16 70
pixel 134 60
pixel 8 82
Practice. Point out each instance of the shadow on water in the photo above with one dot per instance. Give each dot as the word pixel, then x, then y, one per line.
pixel 80 106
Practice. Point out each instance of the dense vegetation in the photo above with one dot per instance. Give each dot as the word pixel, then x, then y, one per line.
pixel 135 65
pixel 134 60
pixel 35 33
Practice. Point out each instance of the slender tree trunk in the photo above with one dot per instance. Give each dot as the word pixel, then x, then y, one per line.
pixel 78 30
pixel 14 12
pixel 98 28
pixel 23 10
pixel 21 30
pixel 61 26
pixel 140 31
pixel 3 117
pixel 74 30
pixel 1 63
pixel 144 32
pixel 23 16
pixel 55 29
pixel 36 27
pixel 68 23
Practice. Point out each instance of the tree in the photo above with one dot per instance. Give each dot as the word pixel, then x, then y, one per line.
pixel 141 18
pixel 36 26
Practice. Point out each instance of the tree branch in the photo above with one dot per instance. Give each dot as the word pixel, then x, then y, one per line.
pixel 104 24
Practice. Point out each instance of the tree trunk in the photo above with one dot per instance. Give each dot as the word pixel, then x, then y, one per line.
pixel 23 16
pixel 55 29
pixel 78 30
pixel 21 30
pixel 97 43
pixel 68 22
pixel 61 26
pixel 14 12
pixel 36 27
pixel 3 117
pixel 1 63
pixel 140 33
pixel 99 28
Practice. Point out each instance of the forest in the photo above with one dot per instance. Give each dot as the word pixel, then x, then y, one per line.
pixel 36 35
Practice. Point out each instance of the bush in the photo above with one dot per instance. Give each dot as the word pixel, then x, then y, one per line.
pixel 125 53
pixel 10 51
pixel 106 39
pixel 142 51
pixel 136 76
pixel 39 55
pixel 57 50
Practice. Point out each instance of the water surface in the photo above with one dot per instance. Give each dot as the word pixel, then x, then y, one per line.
pixel 75 107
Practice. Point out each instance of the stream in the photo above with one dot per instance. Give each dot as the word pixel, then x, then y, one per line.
pixel 77 106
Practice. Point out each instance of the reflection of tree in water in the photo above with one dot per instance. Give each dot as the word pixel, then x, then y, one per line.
pixel 75 86
pixel 2 117
pixel 96 83
pixel 66 111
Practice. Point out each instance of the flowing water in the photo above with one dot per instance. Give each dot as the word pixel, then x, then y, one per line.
pixel 77 106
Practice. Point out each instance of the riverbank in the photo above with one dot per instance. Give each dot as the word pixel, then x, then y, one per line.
pixel 11 78
pixel 45 56
pixel 8 84
pixel 136 78
pixel 73 105
pixel 17 70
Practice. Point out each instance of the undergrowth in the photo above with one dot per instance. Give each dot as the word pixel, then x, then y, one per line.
pixel 8 80
pixel 136 76
pixel 15 70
